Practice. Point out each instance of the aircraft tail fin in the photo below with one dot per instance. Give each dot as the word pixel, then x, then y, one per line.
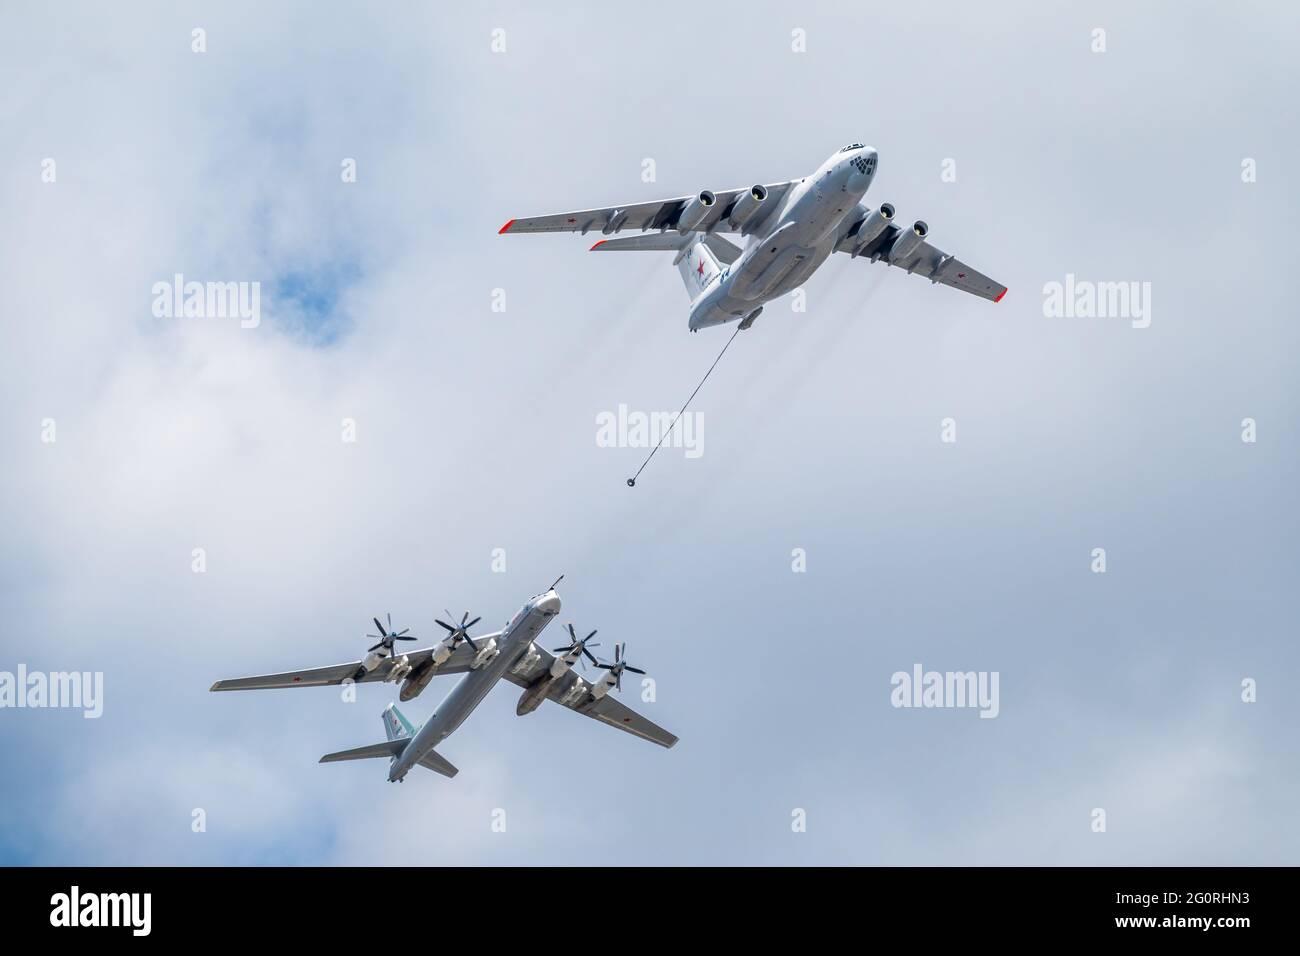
pixel 698 267
pixel 396 726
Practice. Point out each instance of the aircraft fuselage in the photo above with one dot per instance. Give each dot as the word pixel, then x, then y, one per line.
pixel 796 239
pixel 512 644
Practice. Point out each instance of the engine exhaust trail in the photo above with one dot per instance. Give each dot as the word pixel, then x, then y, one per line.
pixel 631 482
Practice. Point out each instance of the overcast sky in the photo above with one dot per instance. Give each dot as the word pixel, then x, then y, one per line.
pixel 476 430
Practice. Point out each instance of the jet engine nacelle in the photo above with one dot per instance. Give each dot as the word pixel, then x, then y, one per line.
pixel 748 205
pixel 907 242
pixel 695 211
pixel 872 227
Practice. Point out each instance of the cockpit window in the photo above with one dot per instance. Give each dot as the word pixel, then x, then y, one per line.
pixel 864 166
pixel 847 149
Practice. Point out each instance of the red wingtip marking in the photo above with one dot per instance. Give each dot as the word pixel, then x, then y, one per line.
pixel 506 227
pixel 598 245
pixel 1000 295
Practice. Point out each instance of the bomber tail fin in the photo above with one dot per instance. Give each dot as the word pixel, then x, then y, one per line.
pixel 396 726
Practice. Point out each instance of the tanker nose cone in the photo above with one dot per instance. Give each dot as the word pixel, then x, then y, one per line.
pixel 863 168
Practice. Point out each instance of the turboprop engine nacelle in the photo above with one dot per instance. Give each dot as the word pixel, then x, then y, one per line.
pixel 871 228
pixel 695 211
pixel 907 242
pixel 372 659
pixel 603 686
pixel 748 205
pixel 442 652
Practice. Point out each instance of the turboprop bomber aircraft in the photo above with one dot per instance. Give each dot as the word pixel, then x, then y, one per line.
pixel 511 654
pixel 790 229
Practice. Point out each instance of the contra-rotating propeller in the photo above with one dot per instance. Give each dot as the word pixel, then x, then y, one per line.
pixel 619 666
pixel 579 645
pixel 460 632
pixel 387 637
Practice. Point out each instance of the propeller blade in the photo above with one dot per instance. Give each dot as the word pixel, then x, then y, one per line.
pixel 399 637
pixel 589 637
pixel 605 667
pixel 390 622
pixel 380 626
pixel 376 647
pixel 590 656
pixel 634 670
pixel 447 626
pixel 475 621
pixel 572 633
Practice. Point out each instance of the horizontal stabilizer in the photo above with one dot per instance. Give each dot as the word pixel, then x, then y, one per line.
pixel 726 251
pixel 654 242
pixel 438 764
pixel 389 748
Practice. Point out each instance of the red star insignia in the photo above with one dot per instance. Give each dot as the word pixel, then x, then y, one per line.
pixel 700 270
pixel 571 219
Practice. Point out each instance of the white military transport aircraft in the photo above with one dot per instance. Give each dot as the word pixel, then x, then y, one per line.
pixel 511 653
pixel 791 228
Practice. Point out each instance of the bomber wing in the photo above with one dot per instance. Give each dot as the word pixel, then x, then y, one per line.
pixel 459 662
pixel 572 692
